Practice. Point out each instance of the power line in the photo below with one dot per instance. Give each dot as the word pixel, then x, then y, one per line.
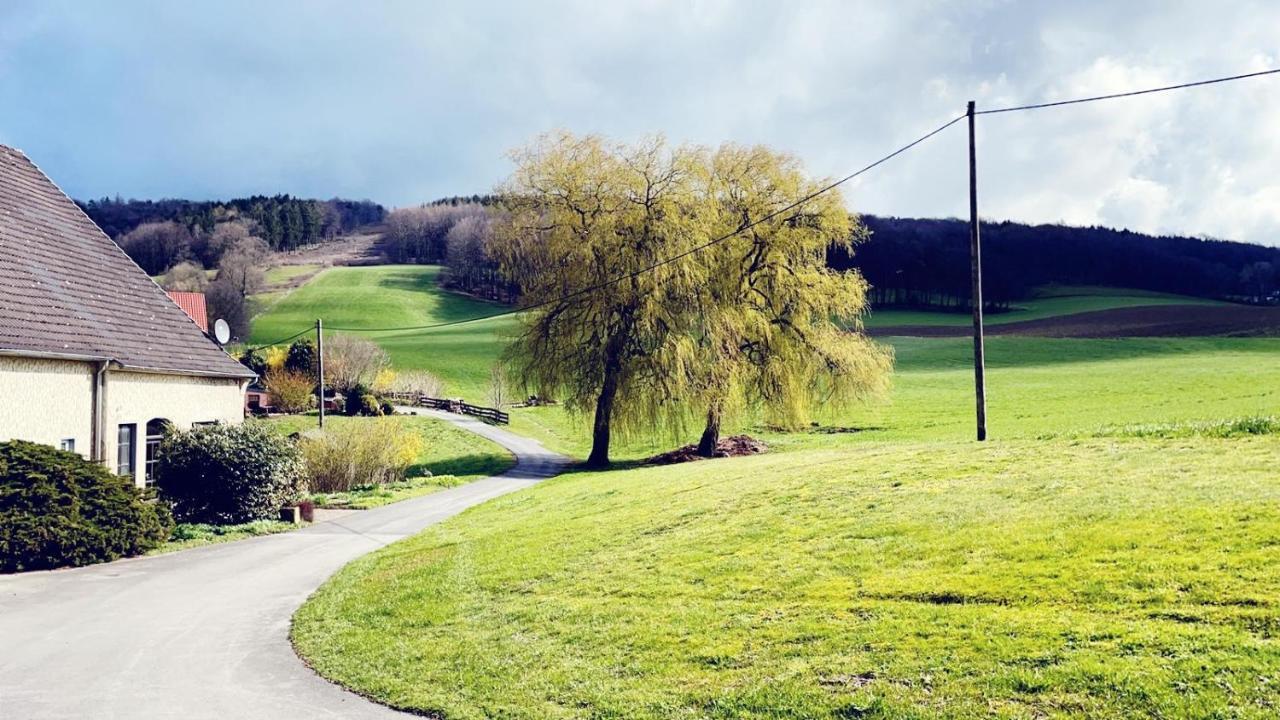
pixel 1131 93
pixel 256 348
pixel 678 256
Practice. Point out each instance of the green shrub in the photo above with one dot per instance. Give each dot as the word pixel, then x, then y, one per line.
pixel 228 474
pixel 301 358
pixel 58 509
pixel 254 361
pixel 367 452
pixel 361 401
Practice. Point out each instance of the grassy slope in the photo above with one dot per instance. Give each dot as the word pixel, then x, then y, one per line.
pixel 1017 579
pixel 396 296
pixel 1052 301
pixel 1036 385
pixel 898 571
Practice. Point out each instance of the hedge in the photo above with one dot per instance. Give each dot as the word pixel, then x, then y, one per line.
pixel 58 509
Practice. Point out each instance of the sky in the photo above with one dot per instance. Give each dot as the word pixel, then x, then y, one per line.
pixel 405 102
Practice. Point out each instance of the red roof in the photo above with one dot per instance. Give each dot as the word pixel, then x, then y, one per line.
pixel 192 303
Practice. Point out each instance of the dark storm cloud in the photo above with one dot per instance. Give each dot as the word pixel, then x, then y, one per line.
pixel 403 102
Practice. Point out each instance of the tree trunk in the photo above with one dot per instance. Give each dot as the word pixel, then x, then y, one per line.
pixel 599 457
pixel 710 434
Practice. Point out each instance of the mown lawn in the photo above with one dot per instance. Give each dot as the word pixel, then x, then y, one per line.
pixel 880 564
pixel 1035 387
pixel 1051 302
pixel 398 296
pixel 1108 578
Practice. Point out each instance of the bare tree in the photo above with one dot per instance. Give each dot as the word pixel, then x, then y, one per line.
pixel 498 394
pixel 185 276
pixel 244 265
pixel 156 246
pixel 224 302
pixel 350 361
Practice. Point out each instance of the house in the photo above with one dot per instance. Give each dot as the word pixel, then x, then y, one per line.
pixel 257 399
pixel 192 303
pixel 94 356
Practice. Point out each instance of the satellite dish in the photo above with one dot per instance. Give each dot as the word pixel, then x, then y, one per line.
pixel 221 331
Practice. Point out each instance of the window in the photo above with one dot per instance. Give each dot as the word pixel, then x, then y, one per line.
pixel 126 448
pixel 68 444
pixel 155 433
pixel 207 423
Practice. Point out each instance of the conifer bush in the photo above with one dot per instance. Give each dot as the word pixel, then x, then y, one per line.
pixel 58 509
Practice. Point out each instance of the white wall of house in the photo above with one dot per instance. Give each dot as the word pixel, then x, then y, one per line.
pixel 51 402
pixel 46 401
pixel 135 398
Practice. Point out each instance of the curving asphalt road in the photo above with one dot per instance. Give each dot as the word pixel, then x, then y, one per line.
pixel 204 633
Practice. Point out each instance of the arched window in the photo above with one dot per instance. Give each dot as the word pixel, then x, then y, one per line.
pixel 155 433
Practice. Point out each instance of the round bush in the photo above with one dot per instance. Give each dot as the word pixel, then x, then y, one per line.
pixel 228 474
pixel 58 509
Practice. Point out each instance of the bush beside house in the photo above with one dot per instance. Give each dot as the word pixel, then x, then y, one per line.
pixel 227 474
pixel 58 509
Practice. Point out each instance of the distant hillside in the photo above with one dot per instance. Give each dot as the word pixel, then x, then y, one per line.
pixel 925 263
pixel 283 221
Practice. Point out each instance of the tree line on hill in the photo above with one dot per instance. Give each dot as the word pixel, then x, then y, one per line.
pixel 909 262
pixel 925 263
pixel 282 221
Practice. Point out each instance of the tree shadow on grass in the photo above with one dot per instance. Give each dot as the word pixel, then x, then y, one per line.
pixel 474 464
pixel 449 306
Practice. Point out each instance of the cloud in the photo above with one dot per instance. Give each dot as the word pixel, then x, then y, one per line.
pixel 404 102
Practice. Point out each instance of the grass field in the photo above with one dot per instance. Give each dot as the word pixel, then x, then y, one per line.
pixel 397 296
pixel 1101 556
pixel 1024 579
pixel 1050 302
pixel 1036 385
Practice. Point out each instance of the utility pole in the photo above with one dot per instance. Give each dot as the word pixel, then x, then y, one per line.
pixel 975 265
pixel 320 366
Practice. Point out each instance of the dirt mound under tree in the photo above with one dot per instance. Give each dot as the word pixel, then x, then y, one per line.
pixel 734 446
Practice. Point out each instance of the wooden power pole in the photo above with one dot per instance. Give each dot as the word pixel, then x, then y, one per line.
pixel 320 366
pixel 975 265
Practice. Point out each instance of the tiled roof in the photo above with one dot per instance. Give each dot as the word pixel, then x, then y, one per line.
pixel 192 303
pixel 67 289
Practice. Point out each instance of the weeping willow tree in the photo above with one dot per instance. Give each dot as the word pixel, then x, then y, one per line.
pixel 775 327
pixel 586 223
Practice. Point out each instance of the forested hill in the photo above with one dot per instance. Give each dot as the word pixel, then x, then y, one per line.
pixel 926 262
pixel 283 221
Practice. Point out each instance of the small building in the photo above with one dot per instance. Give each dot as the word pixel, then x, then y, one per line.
pixel 257 399
pixel 94 356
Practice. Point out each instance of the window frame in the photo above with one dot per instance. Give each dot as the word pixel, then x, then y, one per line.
pixel 131 470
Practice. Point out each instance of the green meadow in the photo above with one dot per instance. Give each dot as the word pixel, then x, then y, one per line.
pixel 1113 551
pixel 1051 301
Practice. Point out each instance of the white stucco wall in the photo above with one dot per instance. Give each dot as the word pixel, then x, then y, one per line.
pixel 138 398
pixel 46 401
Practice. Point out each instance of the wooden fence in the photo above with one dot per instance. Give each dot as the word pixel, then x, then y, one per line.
pixel 487 414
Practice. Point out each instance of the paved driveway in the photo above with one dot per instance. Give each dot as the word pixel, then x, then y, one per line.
pixel 204 633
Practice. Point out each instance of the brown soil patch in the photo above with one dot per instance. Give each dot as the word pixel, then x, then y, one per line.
pixel 734 446
pixel 1152 321
pixel 359 249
